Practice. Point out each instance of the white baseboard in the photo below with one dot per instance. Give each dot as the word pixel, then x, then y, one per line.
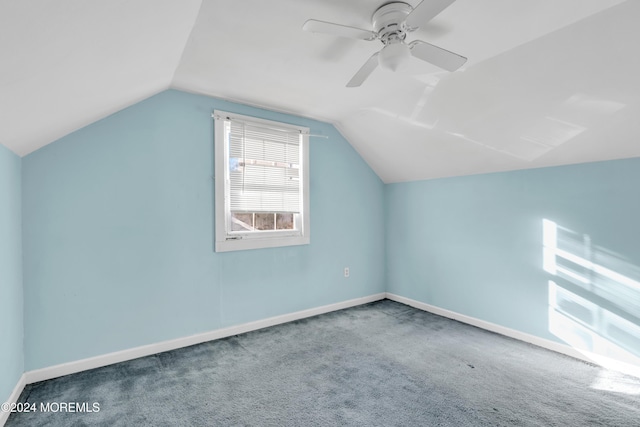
pixel 51 372
pixel 147 350
pixel 597 359
pixel 13 398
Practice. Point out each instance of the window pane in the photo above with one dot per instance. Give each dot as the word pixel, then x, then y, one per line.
pixel 265 221
pixel 241 221
pixel 284 221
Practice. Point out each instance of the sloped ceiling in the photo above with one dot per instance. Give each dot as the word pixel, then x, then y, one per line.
pixel 67 63
pixel 548 82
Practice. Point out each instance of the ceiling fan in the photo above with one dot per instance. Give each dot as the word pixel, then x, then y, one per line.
pixel 391 23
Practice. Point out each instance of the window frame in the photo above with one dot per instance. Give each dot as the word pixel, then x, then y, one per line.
pixel 227 240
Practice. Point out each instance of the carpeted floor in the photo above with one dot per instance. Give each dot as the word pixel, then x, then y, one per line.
pixel 380 364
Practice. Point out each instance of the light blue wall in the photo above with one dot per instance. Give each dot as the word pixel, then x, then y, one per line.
pixel 118 239
pixel 474 245
pixel 11 307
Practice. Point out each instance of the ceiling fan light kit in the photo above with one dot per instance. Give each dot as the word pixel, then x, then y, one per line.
pixel 393 56
pixel 391 23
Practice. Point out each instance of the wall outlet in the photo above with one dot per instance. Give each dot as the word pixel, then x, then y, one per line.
pixel 346 272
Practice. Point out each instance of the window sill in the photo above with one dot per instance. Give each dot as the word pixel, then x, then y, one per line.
pixel 257 243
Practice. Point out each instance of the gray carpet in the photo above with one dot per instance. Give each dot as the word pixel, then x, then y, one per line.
pixel 380 364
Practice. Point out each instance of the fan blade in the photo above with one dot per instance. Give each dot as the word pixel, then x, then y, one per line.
pixel 436 55
pixel 364 71
pixel 316 26
pixel 425 12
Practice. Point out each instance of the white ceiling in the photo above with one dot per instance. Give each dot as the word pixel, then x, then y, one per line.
pixel 548 82
pixel 67 63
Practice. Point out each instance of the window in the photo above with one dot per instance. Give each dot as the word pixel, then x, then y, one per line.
pixel 262 183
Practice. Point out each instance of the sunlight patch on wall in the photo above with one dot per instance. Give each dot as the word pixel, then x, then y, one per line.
pixel 592 306
pixel 584 325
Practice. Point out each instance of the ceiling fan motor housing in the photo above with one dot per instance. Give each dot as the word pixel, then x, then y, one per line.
pixel 389 22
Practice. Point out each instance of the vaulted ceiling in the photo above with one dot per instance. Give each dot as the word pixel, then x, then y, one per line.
pixel 548 82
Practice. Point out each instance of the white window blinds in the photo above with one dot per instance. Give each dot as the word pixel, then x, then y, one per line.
pixel 264 166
